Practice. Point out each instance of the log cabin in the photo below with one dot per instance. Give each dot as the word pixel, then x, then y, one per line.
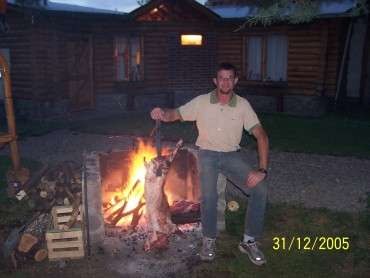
pixel 165 52
pixel 303 68
pixel 49 47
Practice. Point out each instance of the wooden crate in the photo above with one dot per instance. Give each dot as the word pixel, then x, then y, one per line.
pixel 62 214
pixel 65 244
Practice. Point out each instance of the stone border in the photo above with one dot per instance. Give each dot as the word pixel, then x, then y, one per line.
pixel 92 200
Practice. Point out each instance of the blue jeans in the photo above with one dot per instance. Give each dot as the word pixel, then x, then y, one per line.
pixel 236 169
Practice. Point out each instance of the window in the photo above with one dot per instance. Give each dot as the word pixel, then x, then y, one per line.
pixel 266 57
pixel 191 39
pixel 129 58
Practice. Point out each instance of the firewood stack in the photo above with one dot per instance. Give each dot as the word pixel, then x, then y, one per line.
pixel 58 186
pixel 61 185
pixel 32 245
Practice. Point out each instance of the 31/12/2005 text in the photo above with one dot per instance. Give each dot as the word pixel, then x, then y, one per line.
pixel 308 243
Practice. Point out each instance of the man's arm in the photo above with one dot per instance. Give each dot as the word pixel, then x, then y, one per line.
pixel 165 115
pixel 263 146
pixel 256 176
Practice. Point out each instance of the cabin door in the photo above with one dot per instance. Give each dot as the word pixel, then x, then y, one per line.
pixel 80 68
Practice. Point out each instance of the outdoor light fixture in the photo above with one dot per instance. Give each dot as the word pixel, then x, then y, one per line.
pixel 191 39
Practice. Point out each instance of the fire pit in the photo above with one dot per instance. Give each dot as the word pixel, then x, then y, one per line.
pixel 115 207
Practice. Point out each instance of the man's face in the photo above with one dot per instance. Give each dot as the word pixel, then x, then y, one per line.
pixel 225 81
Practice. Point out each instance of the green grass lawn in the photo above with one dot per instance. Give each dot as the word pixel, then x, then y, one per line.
pixel 332 134
pixel 283 222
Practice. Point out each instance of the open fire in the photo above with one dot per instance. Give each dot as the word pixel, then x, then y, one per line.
pixel 126 204
pixel 117 208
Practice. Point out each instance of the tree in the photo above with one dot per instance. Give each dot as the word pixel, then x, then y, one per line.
pixel 294 11
pixel 142 2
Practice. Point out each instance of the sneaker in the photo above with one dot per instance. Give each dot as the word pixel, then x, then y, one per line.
pixel 208 250
pixel 254 253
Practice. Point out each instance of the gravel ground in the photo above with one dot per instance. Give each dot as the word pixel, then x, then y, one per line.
pixel 337 183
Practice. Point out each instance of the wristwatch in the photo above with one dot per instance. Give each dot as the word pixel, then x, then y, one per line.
pixel 262 170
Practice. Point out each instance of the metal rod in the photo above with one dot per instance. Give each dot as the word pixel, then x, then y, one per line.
pixel 158 137
pixel 87 227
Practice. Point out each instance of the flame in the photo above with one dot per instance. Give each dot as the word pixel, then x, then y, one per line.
pixel 131 195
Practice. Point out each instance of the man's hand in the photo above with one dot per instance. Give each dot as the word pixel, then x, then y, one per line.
pixel 167 115
pixel 157 114
pixel 254 178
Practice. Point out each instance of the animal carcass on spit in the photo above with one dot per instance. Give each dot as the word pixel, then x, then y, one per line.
pixel 158 217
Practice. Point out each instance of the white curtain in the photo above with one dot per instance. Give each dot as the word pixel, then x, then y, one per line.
pixel 277 57
pixel 121 51
pixel 254 61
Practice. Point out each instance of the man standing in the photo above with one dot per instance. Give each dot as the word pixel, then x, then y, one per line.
pixel 220 117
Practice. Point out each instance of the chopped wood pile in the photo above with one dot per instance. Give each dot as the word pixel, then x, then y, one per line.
pixel 60 185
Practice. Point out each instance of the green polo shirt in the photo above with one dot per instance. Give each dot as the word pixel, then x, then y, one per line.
pixel 220 127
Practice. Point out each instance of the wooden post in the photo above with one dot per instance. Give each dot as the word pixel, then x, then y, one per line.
pixel 9 108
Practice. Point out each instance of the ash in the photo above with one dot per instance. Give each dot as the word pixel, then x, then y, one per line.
pixel 126 253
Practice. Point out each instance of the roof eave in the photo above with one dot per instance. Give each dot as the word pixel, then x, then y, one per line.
pixel 141 10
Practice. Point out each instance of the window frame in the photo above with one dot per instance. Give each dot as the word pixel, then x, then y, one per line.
pixel 128 37
pixel 264 38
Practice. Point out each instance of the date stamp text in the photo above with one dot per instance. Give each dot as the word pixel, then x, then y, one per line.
pixel 311 243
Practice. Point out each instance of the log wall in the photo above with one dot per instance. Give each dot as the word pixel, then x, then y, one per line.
pixel 39 55
pixel 314 52
pixel 167 65
pixel 19 41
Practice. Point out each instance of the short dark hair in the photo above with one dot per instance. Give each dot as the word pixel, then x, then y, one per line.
pixel 227 66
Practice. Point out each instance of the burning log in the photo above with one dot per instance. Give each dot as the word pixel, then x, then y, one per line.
pixel 134 212
pixel 136 216
pixel 116 216
pixel 157 207
pixel 114 213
